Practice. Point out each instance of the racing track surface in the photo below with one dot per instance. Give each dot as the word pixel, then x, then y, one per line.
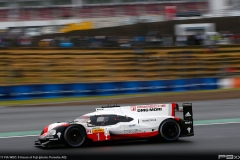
pixel 209 140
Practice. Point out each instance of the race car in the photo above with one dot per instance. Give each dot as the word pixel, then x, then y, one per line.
pixel 114 122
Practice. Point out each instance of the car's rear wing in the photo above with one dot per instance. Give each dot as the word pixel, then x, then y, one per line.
pixel 187 121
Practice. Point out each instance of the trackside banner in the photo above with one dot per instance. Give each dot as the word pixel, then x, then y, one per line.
pixel 106 88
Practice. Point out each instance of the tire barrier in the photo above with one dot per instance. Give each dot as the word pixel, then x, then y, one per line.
pixel 22 92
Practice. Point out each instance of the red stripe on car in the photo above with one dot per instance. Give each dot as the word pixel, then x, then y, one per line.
pixel 134 135
pixel 45 130
pixel 174 105
pixel 176 118
pixel 173 109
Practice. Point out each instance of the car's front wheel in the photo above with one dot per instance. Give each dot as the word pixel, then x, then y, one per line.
pixel 74 136
pixel 169 130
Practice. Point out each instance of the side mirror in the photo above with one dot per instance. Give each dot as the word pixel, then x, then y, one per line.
pixel 178 109
pixel 89 124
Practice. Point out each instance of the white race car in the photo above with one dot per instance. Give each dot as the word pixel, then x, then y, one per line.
pixel 114 122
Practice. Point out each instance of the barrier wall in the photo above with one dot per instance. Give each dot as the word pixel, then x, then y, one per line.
pixel 227 83
pixel 21 92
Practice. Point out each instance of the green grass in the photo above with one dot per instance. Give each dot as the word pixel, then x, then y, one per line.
pixel 91 98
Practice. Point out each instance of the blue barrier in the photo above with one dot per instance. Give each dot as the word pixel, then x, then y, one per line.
pixel 131 87
pixel 104 89
pixel 4 92
pixel 195 84
pixel 160 85
pixel 79 89
pixel 51 90
pixel 37 91
pixel 211 83
pixel 20 92
pixel 107 89
pixel 67 90
pixel 66 44
pixel 179 85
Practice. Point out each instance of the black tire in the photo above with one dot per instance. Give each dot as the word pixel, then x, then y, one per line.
pixel 74 136
pixel 169 130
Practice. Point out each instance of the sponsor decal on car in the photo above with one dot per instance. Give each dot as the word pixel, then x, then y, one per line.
pixel 50 137
pixel 152 106
pixel 59 134
pixel 187 104
pixel 149 109
pixel 131 131
pixel 189 122
pixel 188 114
pixel 97 130
pixel 133 108
pixel 146 108
pixel 132 125
pixel 53 139
pixel 89 131
pixel 148 120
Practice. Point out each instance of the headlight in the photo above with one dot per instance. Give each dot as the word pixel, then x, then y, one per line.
pixel 51 132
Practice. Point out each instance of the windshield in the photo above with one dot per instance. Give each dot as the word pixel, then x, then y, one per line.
pixel 83 119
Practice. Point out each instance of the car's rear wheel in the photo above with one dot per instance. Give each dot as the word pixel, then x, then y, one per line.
pixel 169 130
pixel 74 136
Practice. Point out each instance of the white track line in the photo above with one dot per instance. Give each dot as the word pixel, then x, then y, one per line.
pixel 194 125
pixel 19 136
pixel 215 123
